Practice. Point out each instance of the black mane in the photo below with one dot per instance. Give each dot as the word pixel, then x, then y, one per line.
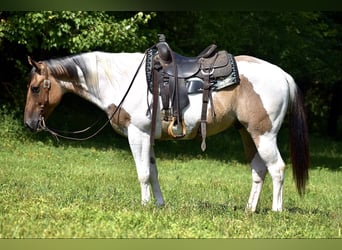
pixel 65 68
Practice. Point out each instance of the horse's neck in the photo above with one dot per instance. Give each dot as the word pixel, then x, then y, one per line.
pixel 108 77
pixel 83 81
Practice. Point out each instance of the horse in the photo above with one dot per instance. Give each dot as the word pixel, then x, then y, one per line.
pixel 114 82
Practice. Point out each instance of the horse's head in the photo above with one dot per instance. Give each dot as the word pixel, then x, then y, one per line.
pixel 43 95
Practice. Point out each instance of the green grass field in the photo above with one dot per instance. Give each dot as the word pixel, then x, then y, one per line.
pixel 90 190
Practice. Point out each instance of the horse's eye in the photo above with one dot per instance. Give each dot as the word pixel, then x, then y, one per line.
pixel 35 90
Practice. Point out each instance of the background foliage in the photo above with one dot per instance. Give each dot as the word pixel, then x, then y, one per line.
pixel 306 44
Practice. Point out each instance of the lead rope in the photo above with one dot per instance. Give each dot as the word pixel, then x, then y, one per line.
pixel 57 135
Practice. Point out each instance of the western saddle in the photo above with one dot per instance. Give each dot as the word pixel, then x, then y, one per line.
pixel 173 77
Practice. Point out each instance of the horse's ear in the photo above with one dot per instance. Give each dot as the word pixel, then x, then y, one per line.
pixel 34 64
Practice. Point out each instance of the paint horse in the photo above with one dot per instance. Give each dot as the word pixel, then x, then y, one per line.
pixel 257 104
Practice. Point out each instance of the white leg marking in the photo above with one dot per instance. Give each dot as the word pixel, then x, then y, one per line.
pixel 258 176
pixel 269 152
pixel 144 158
pixel 277 172
pixel 140 147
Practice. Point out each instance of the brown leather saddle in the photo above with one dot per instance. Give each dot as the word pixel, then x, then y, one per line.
pixel 174 77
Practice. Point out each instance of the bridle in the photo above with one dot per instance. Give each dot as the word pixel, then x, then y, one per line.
pixel 61 134
pixel 46 87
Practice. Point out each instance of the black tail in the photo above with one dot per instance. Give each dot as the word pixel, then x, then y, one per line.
pixel 299 144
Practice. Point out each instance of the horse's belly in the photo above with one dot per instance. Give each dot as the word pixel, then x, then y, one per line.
pixel 221 115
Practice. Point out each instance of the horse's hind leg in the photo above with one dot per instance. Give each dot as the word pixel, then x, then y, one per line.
pixel 269 152
pixel 258 176
pixel 264 157
pixel 258 169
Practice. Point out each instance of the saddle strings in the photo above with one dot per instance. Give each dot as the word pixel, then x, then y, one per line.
pixel 57 133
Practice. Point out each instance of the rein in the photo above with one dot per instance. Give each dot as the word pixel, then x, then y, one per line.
pixel 57 133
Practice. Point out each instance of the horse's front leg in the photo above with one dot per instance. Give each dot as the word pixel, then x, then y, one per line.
pixel 143 155
pixel 140 148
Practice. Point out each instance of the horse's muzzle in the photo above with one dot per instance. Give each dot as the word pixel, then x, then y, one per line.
pixel 35 125
pixel 32 126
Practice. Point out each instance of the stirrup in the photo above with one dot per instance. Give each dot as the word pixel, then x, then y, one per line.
pixel 171 130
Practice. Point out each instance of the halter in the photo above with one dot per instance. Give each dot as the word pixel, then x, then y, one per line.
pixel 57 133
pixel 46 87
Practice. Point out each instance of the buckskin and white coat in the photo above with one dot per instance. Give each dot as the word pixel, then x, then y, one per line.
pixel 259 103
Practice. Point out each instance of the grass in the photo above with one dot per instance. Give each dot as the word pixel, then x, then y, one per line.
pixel 90 190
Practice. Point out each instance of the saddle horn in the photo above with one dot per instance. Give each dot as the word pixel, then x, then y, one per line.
pixel 164 49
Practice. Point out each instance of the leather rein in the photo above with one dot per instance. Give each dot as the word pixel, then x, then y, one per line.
pixel 58 133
